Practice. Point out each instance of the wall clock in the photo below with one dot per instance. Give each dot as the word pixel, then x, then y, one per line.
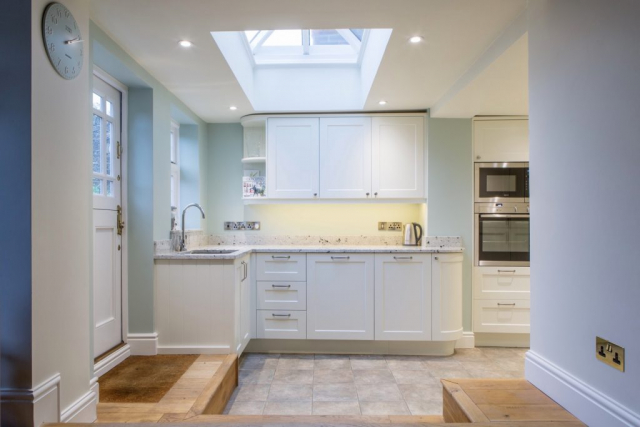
pixel 62 40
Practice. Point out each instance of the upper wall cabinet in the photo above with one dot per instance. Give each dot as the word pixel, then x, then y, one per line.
pixel 293 158
pixel 345 157
pixel 398 157
pixel 501 139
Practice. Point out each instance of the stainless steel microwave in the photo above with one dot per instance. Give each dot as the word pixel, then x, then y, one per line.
pixel 502 182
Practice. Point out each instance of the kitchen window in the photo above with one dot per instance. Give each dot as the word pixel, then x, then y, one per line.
pixel 175 170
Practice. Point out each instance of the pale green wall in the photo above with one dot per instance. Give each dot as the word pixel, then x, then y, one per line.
pixel 225 200
pixel 151 109
pixel 451 191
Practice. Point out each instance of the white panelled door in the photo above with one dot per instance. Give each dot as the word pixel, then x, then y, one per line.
pixel 107 207
pixel 345 157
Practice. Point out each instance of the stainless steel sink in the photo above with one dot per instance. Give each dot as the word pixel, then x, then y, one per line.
pixel 212 251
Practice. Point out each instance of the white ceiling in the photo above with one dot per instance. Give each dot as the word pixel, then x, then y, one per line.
pixel 456 33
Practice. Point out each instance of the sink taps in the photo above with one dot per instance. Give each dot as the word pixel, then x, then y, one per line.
pixel 183 246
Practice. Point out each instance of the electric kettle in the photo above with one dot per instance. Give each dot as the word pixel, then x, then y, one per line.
pixel 411 236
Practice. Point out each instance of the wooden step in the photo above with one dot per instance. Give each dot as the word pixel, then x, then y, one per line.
pixel 499 401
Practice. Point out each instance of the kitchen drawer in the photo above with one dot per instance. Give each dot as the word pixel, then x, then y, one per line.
pixel 510 316
pixel 282 267
pixel 282 324
pixel 501 282
pixel 282 295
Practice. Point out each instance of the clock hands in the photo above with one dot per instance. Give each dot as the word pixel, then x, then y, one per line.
pixel 72 41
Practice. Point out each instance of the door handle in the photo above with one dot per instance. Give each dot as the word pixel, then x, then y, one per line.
pixel 245 271
pixel 512 304
pixel 280 286
pixel 280 256
pixel 402 257
pixel 340 257
pixel 119 221
pixel 506 271
pixel 280 315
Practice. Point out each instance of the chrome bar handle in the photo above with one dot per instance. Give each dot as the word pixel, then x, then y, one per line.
pixel 402 257
pixel 340 257
pixel 281 315
pixel 506 271
pixel 512 304
pixel 281 256
pixel 280 286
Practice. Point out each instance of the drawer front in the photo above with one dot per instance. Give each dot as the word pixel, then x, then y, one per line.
pixel 501 282
pixel 282 295
pixel 509 316
pixel 281 324
pixel 282 267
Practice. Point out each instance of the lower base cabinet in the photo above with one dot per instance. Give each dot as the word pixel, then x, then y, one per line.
pixel 446 292
pixel 279 324
pixel 501 316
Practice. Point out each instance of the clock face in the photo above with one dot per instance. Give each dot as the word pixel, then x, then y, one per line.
pixel 63 41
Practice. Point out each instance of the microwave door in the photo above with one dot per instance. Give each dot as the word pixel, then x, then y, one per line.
pixel 495 183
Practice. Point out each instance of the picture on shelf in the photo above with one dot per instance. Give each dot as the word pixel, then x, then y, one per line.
pixel 253 185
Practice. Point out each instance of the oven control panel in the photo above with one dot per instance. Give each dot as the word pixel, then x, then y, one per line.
pixel 502 208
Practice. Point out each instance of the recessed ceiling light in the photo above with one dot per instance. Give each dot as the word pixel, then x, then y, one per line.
pixel 382 102
pixel 185 43
pixel 233 108
pixel 416 39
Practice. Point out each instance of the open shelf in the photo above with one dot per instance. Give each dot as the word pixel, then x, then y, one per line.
pixel 246 160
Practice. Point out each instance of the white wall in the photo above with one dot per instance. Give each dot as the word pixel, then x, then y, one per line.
pixel 584 88
pixel 61 215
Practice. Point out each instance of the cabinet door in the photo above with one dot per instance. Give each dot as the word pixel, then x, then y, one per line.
pixel 403 297
pixel 501 140
pixel 502 316
pixel 398 157
pixel 345 157
pixel 501 282
pixel 446 291
pixel 242 304
pixel 293 158
pixel 340 296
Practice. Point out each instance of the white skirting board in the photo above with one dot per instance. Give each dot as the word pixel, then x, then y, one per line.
pixel 588 404
pixel 485 339
pixel 83 410
pixel 467 340
pixel 431 348
pixel 111 361
pixel 194 350
pixel 143 344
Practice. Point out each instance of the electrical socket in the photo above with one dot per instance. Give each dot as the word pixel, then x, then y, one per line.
pixel 390 226
pixel 242 226
pixel 610 353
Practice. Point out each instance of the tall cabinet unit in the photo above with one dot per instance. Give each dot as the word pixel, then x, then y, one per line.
pixel 397 146
pixel 345 157
pixel 340 296
pixel 293 157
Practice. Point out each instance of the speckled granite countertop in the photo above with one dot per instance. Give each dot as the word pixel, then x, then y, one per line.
pixel 240 251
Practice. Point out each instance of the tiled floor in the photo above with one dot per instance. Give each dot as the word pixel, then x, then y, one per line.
pixel 307 384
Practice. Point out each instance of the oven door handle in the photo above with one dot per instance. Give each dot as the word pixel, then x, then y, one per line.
pixel 521 216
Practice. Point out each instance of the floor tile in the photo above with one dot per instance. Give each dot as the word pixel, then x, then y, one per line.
pixel 336 408
pixel 368 362
pixel 334 392
pixel 245 408
pixel 288 408
pixel 285 376
pixel 256 376
pixel 384 408
pixel 425 407
pixel 284 392
pixel 373 376
pixel 447 363
pixel 332 376
pixel 259 361
pixel 420 392
pixel 415 377
pixel 405 363
pixel 378 393
pixel 331 362
pixel 295 363
pixel 252 392
pixel 469 354
pixel 449 373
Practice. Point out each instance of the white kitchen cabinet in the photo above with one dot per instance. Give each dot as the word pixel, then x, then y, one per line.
pixel 340 296
pixel 293 157
pixel 502 316
pixel 243 304
pixel 282 324
pixel 446 291
pixel 501 282
pixel 345 157
pixel 282 295
pixel 501 139
pixel 398 160
pixel 288 267
pixel 403 297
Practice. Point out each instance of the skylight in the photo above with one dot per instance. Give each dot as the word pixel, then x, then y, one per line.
pixel 337 46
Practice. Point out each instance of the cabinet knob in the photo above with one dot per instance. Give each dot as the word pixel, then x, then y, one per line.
pixel 478 157
pixel 315 194
pixel 375 194
pixel 367 194
pixel 435 257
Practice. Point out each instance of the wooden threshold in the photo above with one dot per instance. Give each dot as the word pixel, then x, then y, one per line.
pixel 106 354
pixel 218 391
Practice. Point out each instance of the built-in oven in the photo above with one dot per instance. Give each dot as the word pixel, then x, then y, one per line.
pixel 501 182
pixel 502 234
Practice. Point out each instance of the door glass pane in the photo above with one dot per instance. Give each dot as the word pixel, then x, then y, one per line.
pixel 97 186
pixel 109 148
pixel 97 125
pixel 97 102
pixel 326 37
pixel 284 38
pixel 495 236
pixel 519 236
pixel 110 188
pixel 110 108
pixel 501 183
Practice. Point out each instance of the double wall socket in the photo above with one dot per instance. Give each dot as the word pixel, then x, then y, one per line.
pixel 610 353
pixel 242 226
pixel 390 226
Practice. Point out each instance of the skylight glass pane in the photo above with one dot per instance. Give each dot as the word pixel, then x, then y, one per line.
pixel 284 38
pixel 327 37
pixel 251 35
pixel 358 32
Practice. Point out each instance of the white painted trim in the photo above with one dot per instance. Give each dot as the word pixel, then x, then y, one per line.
pixel 111 361
pixel 83 410
pixel 585 402
pixel 44 400
pixel 427 348
pixel 143 344
pixel 467 340
pixel 213 349
pixel 95 387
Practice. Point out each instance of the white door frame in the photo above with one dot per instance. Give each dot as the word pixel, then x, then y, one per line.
pixel 105 365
